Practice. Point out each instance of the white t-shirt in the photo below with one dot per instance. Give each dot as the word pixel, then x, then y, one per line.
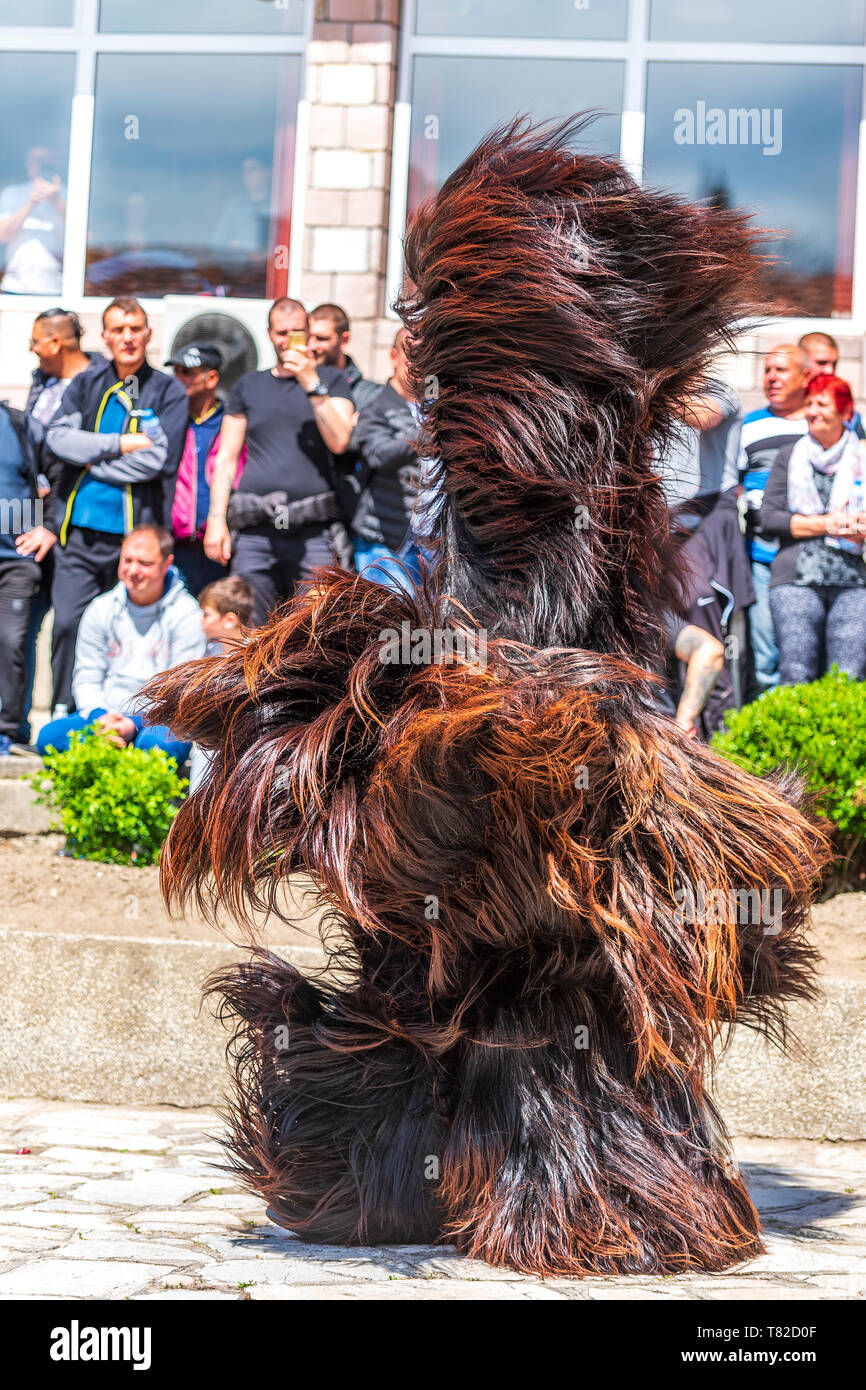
pixel 34 258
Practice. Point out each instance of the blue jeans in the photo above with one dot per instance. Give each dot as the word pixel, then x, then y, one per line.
pixel 56 736
pixel 765 653
pixel 385 567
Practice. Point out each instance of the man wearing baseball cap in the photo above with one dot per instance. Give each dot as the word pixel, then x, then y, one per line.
pixel 198 368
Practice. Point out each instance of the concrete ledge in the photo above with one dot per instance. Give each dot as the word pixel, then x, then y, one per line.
pixel 118 1020
pixel 19 813
pixel 113 1019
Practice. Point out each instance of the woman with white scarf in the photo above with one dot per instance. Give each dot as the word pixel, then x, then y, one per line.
pixel 814 503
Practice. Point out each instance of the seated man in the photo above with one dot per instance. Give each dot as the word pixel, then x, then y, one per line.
pixel 147 623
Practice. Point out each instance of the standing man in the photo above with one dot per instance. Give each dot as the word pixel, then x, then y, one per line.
pixel 765 433
pixel 19 574
pixel 328 339
pixel 198 368
pixel 387 428
pixel 56 341
pixel 119 436
pixel 822 351
pixel 293 419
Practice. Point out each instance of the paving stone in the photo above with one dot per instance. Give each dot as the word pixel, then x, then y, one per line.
pixel 146 1225
pixel 127 1247
pixel 190 1217
pixel 236 1272
pixel 78 1278
pixel 41 1218
pixel 30 1182
pixel 186 1295
pixel 87 1160
pixel 143 1189
pixel 117 1142
pixel 230 1201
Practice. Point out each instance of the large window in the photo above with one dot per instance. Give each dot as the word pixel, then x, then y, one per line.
pixel 35 108
pixel 36 12
pixel 754 104
pixel 758 21
pixel 546 19
pixel 779 139
pixel 191 195
pixel 208 16
pixel 456 100
pixel 149 148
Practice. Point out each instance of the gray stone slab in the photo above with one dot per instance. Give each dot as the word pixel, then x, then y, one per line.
pixel 56 1278
pixel 141 1190
pixel 111 1019
pixel 19 813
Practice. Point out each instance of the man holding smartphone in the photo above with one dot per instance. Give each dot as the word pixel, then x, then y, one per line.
pixel 285 514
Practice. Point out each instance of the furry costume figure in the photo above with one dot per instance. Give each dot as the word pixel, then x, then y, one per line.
pixel 483 791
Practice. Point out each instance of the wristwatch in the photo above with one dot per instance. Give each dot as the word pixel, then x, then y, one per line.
pixel 320 389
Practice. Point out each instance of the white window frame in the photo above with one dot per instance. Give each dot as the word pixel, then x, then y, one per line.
pixel 85 41
pixel 636 51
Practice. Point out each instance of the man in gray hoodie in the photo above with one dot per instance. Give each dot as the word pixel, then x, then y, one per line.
pixel 147 623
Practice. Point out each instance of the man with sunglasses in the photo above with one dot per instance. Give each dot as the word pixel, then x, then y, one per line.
pixel 119 435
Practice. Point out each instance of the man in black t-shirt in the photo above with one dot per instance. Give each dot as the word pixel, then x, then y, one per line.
pixel 293 419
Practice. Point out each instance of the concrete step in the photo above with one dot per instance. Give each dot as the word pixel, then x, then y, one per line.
pixel 114 1019
pixel 20 814
pixel 117 1020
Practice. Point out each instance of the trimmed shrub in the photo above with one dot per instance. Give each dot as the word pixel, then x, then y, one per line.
pixel 115 804
pixel 819 729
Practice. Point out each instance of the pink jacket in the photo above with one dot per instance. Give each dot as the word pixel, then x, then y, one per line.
pixel 185 499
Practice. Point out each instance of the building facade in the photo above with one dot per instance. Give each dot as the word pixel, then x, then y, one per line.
pixel 208 155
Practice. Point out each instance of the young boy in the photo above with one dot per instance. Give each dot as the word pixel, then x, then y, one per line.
pixel 226 609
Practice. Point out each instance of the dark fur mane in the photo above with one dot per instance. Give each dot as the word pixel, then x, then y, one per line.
pixel 514 1057
pixel 561 314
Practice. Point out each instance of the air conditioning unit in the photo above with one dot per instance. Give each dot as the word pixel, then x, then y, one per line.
pixel 238 326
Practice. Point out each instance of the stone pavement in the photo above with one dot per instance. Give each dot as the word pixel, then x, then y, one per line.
pixel 114 1202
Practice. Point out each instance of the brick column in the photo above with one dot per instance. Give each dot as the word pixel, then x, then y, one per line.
pixel 351 81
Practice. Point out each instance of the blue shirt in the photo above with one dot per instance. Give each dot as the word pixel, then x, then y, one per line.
pixel 764 435
pixel 204 432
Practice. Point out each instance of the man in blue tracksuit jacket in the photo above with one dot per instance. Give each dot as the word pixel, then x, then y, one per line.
pixel 118 436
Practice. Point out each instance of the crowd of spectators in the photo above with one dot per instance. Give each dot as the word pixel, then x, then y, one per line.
pixel 161 517
pixel 129 492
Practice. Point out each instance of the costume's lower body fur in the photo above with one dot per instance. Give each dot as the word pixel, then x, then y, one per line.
pixel 516 1060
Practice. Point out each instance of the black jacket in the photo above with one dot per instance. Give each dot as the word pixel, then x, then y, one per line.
pixel 775 520
pixel 364 391
pixel 46 462
pixel 19 508
pixel 148 476
pixel 385 437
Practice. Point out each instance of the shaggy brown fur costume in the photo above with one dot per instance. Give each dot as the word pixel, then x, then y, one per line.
pixel 504 825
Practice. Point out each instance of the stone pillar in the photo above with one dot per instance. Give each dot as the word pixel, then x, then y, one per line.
pixel 351 83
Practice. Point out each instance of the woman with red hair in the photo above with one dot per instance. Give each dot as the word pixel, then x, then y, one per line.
pixel 814 504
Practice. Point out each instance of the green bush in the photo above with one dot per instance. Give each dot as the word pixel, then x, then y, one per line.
pixel 820 730
pixel 115 804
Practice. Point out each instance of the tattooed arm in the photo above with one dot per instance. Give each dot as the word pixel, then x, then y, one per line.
pixel 704 657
